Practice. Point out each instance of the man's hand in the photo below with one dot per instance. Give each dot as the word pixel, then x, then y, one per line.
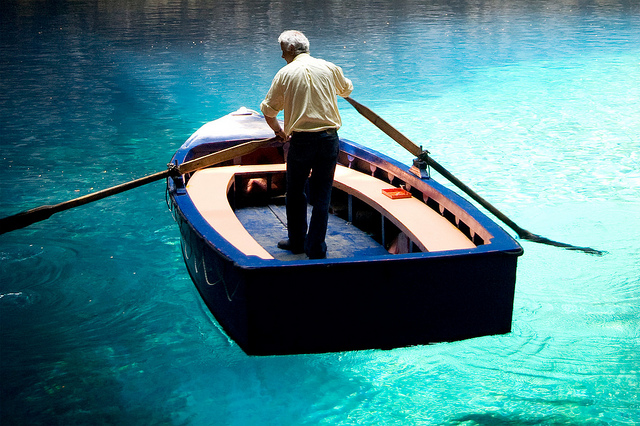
pixel 275 126
pixel 281 135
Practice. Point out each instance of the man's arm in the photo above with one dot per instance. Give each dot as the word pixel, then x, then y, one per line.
pixel 275 126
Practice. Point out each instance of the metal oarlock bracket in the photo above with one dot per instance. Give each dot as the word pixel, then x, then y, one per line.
pixel 173 169
pixel 420 165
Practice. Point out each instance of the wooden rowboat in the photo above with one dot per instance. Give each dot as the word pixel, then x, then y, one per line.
pixel 409 261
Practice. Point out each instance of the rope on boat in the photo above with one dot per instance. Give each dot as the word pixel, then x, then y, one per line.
pixel 230 296
pixel 206 277
pixel 184 247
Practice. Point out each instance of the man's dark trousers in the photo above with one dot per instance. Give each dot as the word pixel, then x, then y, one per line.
pixel 315 152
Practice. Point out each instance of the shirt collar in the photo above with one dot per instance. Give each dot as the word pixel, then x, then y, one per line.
pixel 301 56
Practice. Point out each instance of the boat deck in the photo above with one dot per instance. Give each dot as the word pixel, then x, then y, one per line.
pixel 266 224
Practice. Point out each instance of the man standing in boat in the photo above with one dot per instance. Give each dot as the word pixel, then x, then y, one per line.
pixel 306 89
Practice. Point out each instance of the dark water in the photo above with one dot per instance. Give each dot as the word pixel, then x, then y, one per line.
pixel 534 104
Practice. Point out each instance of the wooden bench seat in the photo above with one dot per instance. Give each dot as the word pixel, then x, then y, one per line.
pixel 208 189
pixel 425 227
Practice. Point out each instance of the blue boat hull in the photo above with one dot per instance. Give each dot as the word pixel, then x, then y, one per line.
pixel 307 306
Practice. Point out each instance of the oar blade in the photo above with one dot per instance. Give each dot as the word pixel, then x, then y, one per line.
pixel 544 240
pixel 25 218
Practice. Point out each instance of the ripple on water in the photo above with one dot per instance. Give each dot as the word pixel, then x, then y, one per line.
pixel 47 265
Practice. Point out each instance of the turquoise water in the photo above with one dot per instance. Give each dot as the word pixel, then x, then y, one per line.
pixel 535 105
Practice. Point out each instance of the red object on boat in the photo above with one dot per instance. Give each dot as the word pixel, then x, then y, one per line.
pixel 395 193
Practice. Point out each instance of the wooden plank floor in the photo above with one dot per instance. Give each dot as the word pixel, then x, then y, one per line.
pixel 267 225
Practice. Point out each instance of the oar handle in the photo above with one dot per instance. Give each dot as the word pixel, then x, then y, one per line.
pixel 387 128
pixel 224 155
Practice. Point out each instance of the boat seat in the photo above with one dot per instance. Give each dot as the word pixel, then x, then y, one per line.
pixel 208 190
pixel 425 227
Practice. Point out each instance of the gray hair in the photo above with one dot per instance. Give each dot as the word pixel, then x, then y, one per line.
pixel 295 39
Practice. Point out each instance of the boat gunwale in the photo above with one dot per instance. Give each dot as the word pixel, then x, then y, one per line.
pixel 500 242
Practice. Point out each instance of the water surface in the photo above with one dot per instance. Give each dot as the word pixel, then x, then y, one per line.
pixel 535 105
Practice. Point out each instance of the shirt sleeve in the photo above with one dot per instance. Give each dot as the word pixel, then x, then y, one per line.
pixel 273 103
pixel 344 86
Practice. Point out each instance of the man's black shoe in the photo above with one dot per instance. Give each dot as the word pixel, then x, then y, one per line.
pixel 317 255
pixel 286 245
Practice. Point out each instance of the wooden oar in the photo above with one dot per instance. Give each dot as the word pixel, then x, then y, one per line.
pixel 418 152
pixel 28 217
